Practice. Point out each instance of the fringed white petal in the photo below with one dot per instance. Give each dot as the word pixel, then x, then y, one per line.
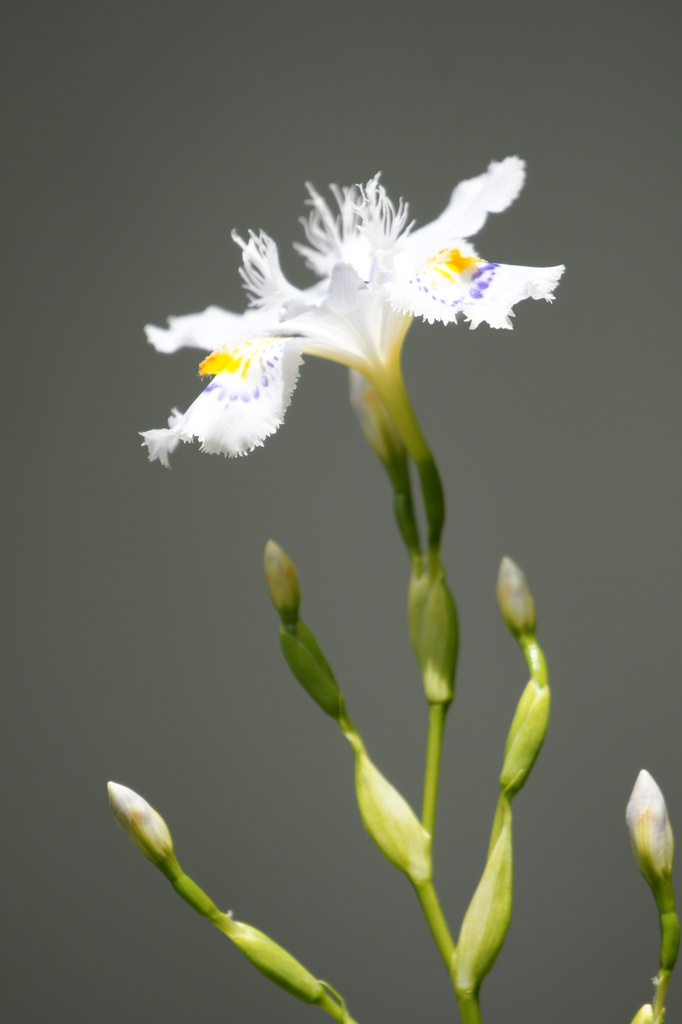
pixel 264 282
pixel 210 329
pixel 381 222
pixel 244 403
pixel 335 238
pixel 468 208
pixel 482 292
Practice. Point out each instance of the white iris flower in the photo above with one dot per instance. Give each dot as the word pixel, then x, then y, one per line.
pixel 376 273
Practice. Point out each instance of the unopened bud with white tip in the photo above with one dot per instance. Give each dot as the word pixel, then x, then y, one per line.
pixel 144 826
pixel 515 599
pixel 650 833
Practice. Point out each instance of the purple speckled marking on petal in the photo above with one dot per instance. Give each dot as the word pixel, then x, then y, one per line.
pixel 475 293
pixel 271 364
pixel 487 268
pixel 256 393
pixel 234 398
pixel 264 381
pixel 246 398
pixel 211 387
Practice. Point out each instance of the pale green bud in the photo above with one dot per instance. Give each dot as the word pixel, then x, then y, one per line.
pixel 645 1015
pixel 377 426
pixel 434 634
pixel 274 961
pixel 487 918
pixel 515 599
pixel 391 822
pixel 282 579
pixel 651 837
pixel 310 667
pixel 525 738
pixel 144 826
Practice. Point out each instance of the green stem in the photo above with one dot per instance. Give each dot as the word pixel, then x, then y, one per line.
pixel 535 659
pixel 335 1009
pixel 403 510
pixel 434 505
pixel 659 996
pixel 469 1009
pixel 393 393
pixel 435 919
pixel 434 745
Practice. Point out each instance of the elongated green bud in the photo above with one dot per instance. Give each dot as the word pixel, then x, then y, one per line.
pixel 299 646
pixel 310 667
pixel 282 578
pixel 515 599
pixel 391 822
pixel 487 918
pixel 434 634
pixel 144 827
pixel 525 737
pixel 273 961
pixel 651 837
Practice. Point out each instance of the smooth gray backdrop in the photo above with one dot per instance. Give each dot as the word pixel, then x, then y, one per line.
pixel 140 643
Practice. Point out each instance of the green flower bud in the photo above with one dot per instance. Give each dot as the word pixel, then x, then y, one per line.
pixel 651 837
pixel 645 1015
pixel 391 822
pixel 144 826
pixel 282 578
pixel 525 738
pixel 377 426
pixel 434 634
pixel 310 667
pixel 515 599
pixel 274 961
pixel 487 918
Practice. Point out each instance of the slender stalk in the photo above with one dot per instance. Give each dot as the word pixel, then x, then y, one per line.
pixel 659 997
pixel 434 505
pixel 335 1009
pixel 535 659
pixel 434 745
pixel 469 1008
pixel 435 919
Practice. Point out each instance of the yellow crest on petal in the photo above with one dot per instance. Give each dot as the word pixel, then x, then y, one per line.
pixel 451 263
pixel 220 362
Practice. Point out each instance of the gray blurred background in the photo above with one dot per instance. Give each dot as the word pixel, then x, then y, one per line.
pixel 140 641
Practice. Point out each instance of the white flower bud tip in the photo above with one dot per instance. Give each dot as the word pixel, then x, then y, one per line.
pixel 514 598
pixel 649 827
pixel 141 823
